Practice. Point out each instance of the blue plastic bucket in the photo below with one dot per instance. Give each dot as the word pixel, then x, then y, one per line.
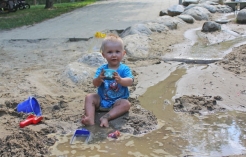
pixel 30 105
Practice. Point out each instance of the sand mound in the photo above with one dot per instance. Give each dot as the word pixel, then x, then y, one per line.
pixel 235 61
pixel 197 104
pixel 139 120
pixel 22 142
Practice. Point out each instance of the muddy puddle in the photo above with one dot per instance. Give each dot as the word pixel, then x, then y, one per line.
pixel 181 134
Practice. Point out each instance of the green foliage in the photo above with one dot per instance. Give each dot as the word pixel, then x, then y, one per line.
pixel 37 14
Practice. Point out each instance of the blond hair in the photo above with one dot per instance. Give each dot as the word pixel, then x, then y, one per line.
pixel 111 38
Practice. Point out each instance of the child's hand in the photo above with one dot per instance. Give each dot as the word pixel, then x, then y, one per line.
pixel 101 76
pixel 117 77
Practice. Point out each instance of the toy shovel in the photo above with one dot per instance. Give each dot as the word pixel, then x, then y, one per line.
pixel 81 133
pixel 31 119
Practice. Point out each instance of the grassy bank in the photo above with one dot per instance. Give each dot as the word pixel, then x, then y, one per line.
pixel 37 14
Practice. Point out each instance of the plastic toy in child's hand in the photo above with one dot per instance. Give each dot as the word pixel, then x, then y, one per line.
pixel 31 119
pixel 109 74
pixel 115 134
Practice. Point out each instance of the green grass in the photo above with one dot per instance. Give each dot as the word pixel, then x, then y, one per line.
pixel 37 14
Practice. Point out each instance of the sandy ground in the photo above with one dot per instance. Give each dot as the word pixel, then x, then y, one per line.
pixel 36 67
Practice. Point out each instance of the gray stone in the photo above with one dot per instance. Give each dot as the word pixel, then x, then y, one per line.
pixel 188 2
pixel 77 72
pixel 93 59
pixel 137 45
pixel 211 26
pixel 210 2
pixel 241 16
pixel 210 8
pixel 198 13
pixel 170 22
pixel 175 10
pixel 163 13
pixel 187 18
pixel 136 29
pixel 157 27
pixel 224 9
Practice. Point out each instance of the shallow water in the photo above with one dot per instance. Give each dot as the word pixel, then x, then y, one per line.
pixel 198 47
pixel 182 134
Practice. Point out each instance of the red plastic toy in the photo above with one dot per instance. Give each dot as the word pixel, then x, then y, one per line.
pixel 31 119
pixel 115 134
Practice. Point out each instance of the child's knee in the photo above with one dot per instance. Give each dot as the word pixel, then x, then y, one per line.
pixel 127 105
pixel 91 96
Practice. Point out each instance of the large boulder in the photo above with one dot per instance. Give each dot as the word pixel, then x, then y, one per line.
pixel 241 16
pixel 157 27
pixel 175 10
pixel 93 59
pixel 188 2
pixel 163 13
pixel 224 9
pixel 136 29
pixel 198 13
pixel 170 22
pixel 137 45
pixel 211 26
pixel 187 18
pixel 77 72
pixel 210 8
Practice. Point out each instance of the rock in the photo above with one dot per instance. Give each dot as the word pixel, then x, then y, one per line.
pixel 241 16
pixel 170 22
pixel 157 27
pixel 163 13
pixel 198 13
pixel 186 18
pixel 210 26
pixel 188 2
pixel 77 72
pixel 136 29
pixel 210 8
pixel 137 45
pixel 209 2
pixel 93 59
pixel 56 107
pixel 224 9
pixel 175 10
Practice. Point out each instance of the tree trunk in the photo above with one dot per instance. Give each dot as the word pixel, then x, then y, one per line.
pixel 49 4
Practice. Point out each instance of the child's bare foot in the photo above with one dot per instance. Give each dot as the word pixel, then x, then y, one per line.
pixel 86 120
pixel 104 122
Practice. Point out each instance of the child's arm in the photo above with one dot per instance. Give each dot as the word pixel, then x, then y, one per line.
pixel 99 80
pixel 123 81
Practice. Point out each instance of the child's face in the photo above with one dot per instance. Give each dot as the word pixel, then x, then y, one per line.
pixel 113 52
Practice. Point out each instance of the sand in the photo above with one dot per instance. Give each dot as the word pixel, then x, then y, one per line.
pixel 36 68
